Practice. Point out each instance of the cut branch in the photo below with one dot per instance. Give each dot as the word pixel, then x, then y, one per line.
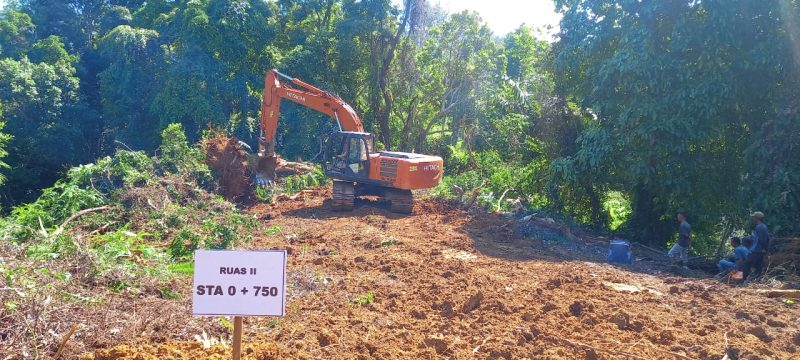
pixel 75 216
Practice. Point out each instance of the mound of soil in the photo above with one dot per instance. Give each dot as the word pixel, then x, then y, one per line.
pixel 185 350
pixel 228 160
pixel 232 166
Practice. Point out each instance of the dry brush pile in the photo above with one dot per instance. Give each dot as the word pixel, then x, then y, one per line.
pixel 109 239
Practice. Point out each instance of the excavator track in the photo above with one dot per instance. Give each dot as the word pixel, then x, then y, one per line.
pixel 401 201
pixel 343 195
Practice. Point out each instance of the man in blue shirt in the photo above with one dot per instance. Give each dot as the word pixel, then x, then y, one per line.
pixel 680 251
pixel 740 253
pixel 759 248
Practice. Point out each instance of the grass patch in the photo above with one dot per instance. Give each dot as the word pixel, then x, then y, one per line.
pixel 274 229
pixel 364 299
pixel 182 268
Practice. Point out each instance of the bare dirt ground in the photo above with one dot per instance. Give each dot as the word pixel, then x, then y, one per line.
pixel 452 284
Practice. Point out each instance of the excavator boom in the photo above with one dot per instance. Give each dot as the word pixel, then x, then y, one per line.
pixel 304 94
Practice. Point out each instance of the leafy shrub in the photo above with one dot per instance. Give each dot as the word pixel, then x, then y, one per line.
pixel 365 299
pixel 495 178
pixel 183 245
pixel 225 234
pixel 92 185
pixel 301 182
pixel 265 194
pixel 618 208
pixel 55 205
pixel 457 158
pixel 121 257
pixel 133 168
pixel 50 250
pixel 176 156
pixel 292 184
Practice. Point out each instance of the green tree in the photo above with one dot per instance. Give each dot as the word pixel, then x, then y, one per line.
pixel 4 139
pixel 50 50
pixel 16 33
pixel 676 88
pixel 44 114
pixel 129 83
pixel 458 67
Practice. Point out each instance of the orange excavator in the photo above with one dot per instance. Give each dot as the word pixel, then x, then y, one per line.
pixel 347 155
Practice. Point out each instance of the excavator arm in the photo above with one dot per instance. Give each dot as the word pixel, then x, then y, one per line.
pixel 304 94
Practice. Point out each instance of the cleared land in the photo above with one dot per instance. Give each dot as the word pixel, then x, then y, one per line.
pixel 453 284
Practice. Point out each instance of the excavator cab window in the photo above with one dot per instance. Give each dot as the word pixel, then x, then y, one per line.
pixel 357 157
pixel 347 154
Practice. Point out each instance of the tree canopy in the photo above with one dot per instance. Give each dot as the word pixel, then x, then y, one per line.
pixel 668 105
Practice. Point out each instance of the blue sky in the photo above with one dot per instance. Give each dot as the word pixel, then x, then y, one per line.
pixel 503 16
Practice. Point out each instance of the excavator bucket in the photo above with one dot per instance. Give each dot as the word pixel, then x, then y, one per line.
pixel 265 169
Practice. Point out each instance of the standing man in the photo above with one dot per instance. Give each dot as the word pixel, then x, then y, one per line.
pixel 680 251
pixel 759 248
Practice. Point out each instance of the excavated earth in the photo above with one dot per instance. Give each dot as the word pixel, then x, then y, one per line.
pixel 453 284
pixel 229 162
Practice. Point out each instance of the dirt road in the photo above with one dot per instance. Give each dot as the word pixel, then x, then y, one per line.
pixel 443 283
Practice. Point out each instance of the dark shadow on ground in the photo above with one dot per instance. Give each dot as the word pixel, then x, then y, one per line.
pixel 503 236
pixel 511 238
pixel 363 207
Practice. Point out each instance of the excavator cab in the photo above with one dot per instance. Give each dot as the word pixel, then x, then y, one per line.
pixel 346 155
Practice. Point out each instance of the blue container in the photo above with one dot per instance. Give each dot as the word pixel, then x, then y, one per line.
pixel 619 252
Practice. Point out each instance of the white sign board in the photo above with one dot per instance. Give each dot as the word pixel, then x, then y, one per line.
pixel 239 283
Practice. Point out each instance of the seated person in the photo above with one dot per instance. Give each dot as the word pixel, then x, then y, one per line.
pixel 736 260
pixel 619 251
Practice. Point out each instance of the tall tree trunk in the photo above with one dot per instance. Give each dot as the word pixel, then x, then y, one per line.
pixel 648 227
pixel 382 113
pixel 596 207
pixel 409 125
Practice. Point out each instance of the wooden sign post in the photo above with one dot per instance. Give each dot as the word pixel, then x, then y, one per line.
pixel 239 283
pixel 237 337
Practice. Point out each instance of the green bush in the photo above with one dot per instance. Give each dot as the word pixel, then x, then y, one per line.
pixel 122 257
pixel 183 245
pixel 176 156
pixel 50 250
pixel 494 177
pixel 133 168
pixel 55 205
pixel 292 184
pixel 301 182
pixel 92 185
pixel 618 208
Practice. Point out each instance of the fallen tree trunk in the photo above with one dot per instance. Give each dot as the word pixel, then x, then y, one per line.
pixel 288 168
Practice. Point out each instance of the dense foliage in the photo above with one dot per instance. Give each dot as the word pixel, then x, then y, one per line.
pixel 638 110
pixel 695 106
